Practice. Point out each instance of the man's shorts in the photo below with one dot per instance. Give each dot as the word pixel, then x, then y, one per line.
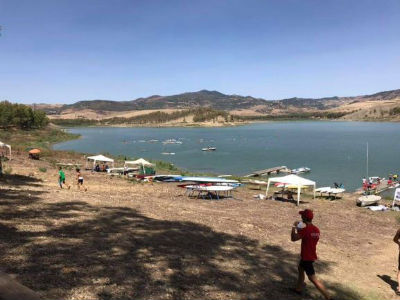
pixel 308 267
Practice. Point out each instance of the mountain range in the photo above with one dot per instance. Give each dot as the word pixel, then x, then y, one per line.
pixel 234 104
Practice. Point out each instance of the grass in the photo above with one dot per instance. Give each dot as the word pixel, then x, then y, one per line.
pixel 24 140
pixel 43 170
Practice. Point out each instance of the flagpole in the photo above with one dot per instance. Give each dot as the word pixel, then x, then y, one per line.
pixel 367 161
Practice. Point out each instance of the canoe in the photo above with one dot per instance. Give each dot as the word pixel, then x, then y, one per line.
pixel 167 178
pixel 368 200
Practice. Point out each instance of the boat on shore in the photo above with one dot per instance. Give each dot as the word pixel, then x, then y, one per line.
pixel 368 200
pixel 209 149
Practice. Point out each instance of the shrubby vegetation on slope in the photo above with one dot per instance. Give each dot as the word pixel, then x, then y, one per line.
pixel 293 116
pixel 21 116
pixel 394 111
pixel 158 117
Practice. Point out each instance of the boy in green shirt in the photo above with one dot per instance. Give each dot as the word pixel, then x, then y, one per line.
pixel 61 178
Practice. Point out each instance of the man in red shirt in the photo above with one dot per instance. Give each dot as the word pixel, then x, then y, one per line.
pixel 309 236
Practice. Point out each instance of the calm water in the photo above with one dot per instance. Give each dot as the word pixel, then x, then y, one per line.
pixel 335 151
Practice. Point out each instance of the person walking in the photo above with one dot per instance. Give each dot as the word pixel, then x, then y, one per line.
pixel 396 239
pixel 61 178
pixel 79 178
pixel 309 234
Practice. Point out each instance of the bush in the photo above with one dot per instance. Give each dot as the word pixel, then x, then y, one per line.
pixel 394 111
pixel 8 171
pixel 43 170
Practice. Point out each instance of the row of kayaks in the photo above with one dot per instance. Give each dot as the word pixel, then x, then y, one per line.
pixel 194 179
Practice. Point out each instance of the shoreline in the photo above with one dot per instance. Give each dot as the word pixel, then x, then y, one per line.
pixel 219 125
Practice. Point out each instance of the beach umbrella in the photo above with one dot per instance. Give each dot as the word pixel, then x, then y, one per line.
pixel 34 151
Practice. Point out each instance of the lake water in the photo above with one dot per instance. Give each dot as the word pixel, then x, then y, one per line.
pixel 335 151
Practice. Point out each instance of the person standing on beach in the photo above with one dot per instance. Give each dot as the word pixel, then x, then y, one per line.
pixel 396 239
pixel 308 233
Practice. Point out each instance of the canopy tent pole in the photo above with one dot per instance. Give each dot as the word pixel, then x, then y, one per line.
pixel 314 191
pixel 266 192
pixel 298 194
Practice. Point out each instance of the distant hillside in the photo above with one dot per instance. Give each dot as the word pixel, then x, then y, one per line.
pixel 374 106
pixel 202 98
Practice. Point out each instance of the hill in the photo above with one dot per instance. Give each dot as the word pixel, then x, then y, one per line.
pixel 202 98
pixel 376 106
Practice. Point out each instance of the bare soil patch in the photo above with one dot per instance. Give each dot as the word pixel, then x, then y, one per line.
pixel 149 241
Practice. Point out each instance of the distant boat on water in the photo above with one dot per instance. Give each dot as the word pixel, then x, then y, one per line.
pixel 168 153
pixel 209 149
pixel 172 141
pixel 301 170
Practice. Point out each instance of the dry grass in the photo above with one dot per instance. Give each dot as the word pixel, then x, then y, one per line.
pixel 125 240
pixel 100 115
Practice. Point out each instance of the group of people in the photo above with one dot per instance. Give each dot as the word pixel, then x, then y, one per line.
pixel 79 179
pixel 372 182
pixel 102 168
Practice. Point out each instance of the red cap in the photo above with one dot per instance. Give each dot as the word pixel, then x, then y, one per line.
pixel 307 214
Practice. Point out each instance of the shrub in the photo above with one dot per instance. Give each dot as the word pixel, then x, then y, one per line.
pixel 395 111
pixel 43 170
pixel 8 171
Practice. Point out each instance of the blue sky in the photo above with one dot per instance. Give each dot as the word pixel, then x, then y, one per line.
pixel 63 51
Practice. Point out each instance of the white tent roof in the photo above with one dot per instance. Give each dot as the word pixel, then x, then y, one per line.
pixel 100 158
pixel 292 180
pixel 140 162
pixel 5 145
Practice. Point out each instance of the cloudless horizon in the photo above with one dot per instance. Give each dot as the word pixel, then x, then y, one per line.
pixel 65 51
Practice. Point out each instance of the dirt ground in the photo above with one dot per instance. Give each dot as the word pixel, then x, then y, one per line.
pixel 149 241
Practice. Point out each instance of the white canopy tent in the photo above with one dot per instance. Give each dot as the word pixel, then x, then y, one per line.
pixel 100 158
pixel 3 145
pixel 139 162
pixel 293 180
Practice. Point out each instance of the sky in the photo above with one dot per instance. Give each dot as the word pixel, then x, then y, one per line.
pixel 63 51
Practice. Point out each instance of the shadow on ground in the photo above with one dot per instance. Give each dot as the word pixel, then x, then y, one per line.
pixel 118 253
pixel 19 180
pixel 389 281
